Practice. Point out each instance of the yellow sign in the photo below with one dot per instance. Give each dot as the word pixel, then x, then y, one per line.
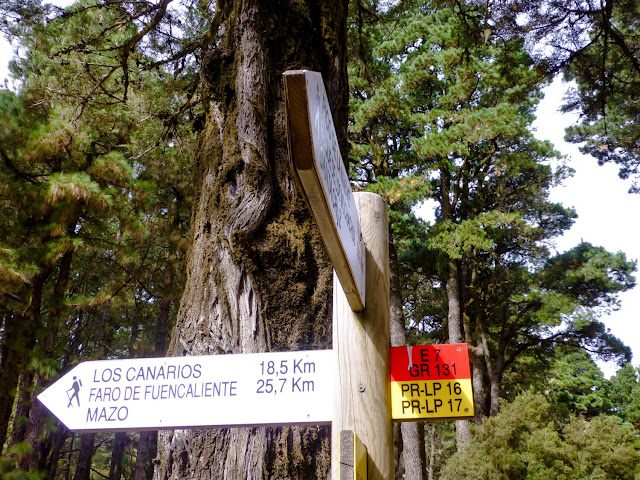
pixel 441 399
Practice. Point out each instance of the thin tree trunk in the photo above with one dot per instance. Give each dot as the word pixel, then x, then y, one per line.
pixel 494 369
pixel 479 390
pixel 432 450
pixel 259 279
pixel 23 403
pixel 39 440
pixel 454 317
pixel 454 320
pixel 117 454
pixel 20 337
pixel 147 448
pixel 70 456
pixel 148 440
pixel 415 461
pixel 412 433
pixel 83 467
pixel 10 371
pixel 37 459
pixel 59 439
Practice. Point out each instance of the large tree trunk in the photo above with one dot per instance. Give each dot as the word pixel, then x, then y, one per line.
pixel 257 275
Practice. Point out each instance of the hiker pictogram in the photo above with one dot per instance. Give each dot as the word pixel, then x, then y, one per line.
pixel 75 387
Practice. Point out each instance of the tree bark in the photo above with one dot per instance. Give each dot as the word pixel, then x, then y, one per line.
pixel 412 441
pixel 117 454
pixel 59 439
pixel 258 277
pixel 454 321
pixel 83 467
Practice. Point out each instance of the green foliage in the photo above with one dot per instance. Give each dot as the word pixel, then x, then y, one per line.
pixel 437 96
pixel 470 234
pixel 528 440
pixel 590 274
pixel 594 44
pixel 624 394
pixel 577 385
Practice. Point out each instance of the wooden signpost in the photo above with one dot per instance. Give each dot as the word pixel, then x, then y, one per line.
pixel 358 387
pixel 361 342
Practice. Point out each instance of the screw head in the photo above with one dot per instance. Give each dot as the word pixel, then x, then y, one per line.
pixel 361 388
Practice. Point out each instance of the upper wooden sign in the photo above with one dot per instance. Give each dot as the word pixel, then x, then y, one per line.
pixel 317 164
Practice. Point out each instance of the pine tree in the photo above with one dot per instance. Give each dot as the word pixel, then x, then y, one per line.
pixel 443 98
pixel 595 44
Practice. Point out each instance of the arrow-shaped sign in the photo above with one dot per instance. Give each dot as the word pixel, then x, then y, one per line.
pixel 181 392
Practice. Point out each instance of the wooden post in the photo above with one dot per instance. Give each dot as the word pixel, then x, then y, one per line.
pixel 361 344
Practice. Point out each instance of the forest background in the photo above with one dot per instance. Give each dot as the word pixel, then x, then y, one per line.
pixel 98 175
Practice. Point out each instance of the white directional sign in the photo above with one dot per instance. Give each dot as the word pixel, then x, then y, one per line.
pixel 317 163
pixel 180 392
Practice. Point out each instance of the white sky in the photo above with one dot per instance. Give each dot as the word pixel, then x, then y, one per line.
pixel 607 213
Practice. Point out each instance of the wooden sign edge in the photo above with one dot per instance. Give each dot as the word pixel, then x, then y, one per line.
pixel 307 179
pixel 191 427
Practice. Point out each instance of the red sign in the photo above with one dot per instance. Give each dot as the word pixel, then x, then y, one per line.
pixel 430 362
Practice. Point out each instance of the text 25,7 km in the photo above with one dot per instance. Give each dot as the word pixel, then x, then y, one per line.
pixel 282 388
